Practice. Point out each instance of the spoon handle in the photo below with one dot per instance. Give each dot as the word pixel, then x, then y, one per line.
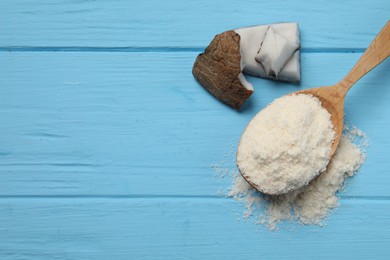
pixel 377 52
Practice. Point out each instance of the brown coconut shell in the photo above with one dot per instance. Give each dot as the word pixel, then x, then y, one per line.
pixel 218 67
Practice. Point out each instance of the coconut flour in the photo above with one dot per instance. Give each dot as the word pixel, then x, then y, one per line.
pixel 312 203
pixel 286 145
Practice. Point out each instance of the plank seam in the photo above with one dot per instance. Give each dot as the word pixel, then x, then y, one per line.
pixel 150 49
pixel 145 196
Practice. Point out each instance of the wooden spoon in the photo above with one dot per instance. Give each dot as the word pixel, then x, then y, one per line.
pixel 332 97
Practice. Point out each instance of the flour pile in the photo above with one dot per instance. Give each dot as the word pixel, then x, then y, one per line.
pixel 286 145
pixel 312 203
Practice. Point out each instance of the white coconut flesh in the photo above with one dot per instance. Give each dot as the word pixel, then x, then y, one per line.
pixel 270 51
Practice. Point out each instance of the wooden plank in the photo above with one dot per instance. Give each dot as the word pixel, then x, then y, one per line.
pixel 116 123
pixel 182 229
pixel 324 24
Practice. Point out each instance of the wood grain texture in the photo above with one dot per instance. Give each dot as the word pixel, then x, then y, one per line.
pixel 183 24
pixel 181 229
pixel 131 120
pixel 106 140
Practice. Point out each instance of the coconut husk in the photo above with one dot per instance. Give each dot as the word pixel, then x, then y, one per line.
pixel 218 67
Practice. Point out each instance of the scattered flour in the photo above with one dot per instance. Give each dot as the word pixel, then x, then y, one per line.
pixel 312 203
pixel 286 145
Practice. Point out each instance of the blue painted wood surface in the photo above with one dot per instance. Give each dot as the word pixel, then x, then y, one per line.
pixel 106 140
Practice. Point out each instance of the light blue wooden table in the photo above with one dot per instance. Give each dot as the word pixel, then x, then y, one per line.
pixel 106 140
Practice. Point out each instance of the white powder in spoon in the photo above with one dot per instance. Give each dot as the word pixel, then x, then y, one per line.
pixel 312 203
pixel 286 145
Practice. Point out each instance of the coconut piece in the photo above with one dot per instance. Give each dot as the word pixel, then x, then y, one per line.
pixel 274 52
pixel 218 70
pixel 251 40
